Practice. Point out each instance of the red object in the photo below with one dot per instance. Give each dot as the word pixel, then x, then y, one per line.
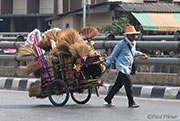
pixel 9 50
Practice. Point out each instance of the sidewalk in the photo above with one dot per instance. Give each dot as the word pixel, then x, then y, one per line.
pixel 138 90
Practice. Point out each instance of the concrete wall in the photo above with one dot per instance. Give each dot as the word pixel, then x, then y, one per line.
pixel 67 20
pixel 0 6
pixel 60 6
pixel 32 6
pixel 75 4
pixel 99 19
pixel 46 6
pixel 77 24
pixel 134 1
pixel 19 6
pixel 169 79
pixel 75 21
pixel 57 23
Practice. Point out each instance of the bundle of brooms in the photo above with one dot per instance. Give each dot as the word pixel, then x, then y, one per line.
pixel 71 47
pixel 47 43
pixel 48 40
pixel 32 67
pixel 68 47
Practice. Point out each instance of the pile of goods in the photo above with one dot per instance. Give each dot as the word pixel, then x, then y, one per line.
pixel 62 55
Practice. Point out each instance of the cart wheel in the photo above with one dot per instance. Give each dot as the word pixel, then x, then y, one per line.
pixel 81 97
pixel 58 93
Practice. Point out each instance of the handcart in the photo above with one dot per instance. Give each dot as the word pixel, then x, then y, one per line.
pixel 76 79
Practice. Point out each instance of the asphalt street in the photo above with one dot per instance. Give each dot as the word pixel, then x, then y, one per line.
pixel 17 106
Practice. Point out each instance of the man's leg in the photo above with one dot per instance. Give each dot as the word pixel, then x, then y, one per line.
pixel 128 87
pixel 115 88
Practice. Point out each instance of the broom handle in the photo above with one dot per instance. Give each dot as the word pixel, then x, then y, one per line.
pixel 43 59
pixel 40 56
pixel 38 52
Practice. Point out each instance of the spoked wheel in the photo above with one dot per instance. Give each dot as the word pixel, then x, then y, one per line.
pixel 81 97
pixel 58 93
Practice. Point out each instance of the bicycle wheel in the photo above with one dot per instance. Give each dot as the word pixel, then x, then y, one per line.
pixel 81 97
pixel 58 93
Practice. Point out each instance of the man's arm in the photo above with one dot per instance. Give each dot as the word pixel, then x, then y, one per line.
pixel 114 53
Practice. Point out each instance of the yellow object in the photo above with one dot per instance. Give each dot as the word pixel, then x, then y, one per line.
pixel 165 21
pixel 77 67
pixel 103 67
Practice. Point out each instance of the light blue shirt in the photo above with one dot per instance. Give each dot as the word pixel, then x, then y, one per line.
pixel 124 58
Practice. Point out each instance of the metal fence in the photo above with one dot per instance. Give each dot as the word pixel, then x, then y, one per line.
pixel 149 45
pixel 101 42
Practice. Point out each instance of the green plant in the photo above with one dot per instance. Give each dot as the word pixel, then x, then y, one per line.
pixel 117 27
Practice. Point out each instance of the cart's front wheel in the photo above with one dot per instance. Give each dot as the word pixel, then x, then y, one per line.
pixel 58 93
pixel 81 97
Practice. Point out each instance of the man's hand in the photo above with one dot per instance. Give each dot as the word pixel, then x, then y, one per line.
pixel 144 56
pixel 106 67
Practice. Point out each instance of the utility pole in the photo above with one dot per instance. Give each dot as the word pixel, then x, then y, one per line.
pixel 84 12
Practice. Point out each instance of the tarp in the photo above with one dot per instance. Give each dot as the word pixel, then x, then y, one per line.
pixel 158 21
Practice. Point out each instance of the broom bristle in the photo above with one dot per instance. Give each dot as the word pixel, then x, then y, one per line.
pixel 66 40
pixel 71 36
pixel 49 39
pixel 58 34
pixel 34 89
pixel 25 51
pixel 78 50
pixel 34 68
pixel 89 32
pixel 51 34
pixel 44 44
pixel 62 47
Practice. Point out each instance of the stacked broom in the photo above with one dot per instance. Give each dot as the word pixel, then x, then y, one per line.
pixel 31 48
pixel 69 47
pixel 89 32
pixel 66 45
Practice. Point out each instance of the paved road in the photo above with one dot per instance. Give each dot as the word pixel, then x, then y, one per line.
pixel 17 106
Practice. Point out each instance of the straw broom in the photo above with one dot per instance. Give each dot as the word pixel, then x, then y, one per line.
pixel 34 89
pixel 71 36
pixel 89 32
pixel 52 35
pixel 49 40
pixel 71 43
pixel 44 44
pixel 71 46
pixel 66 40
pixel 34 68
pixel 79 50
pixel 25 51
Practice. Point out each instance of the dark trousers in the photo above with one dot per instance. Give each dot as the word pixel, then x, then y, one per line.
pixel 121 80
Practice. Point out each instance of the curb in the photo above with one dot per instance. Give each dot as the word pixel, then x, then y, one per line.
pixel 138 90
pixel 16 83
